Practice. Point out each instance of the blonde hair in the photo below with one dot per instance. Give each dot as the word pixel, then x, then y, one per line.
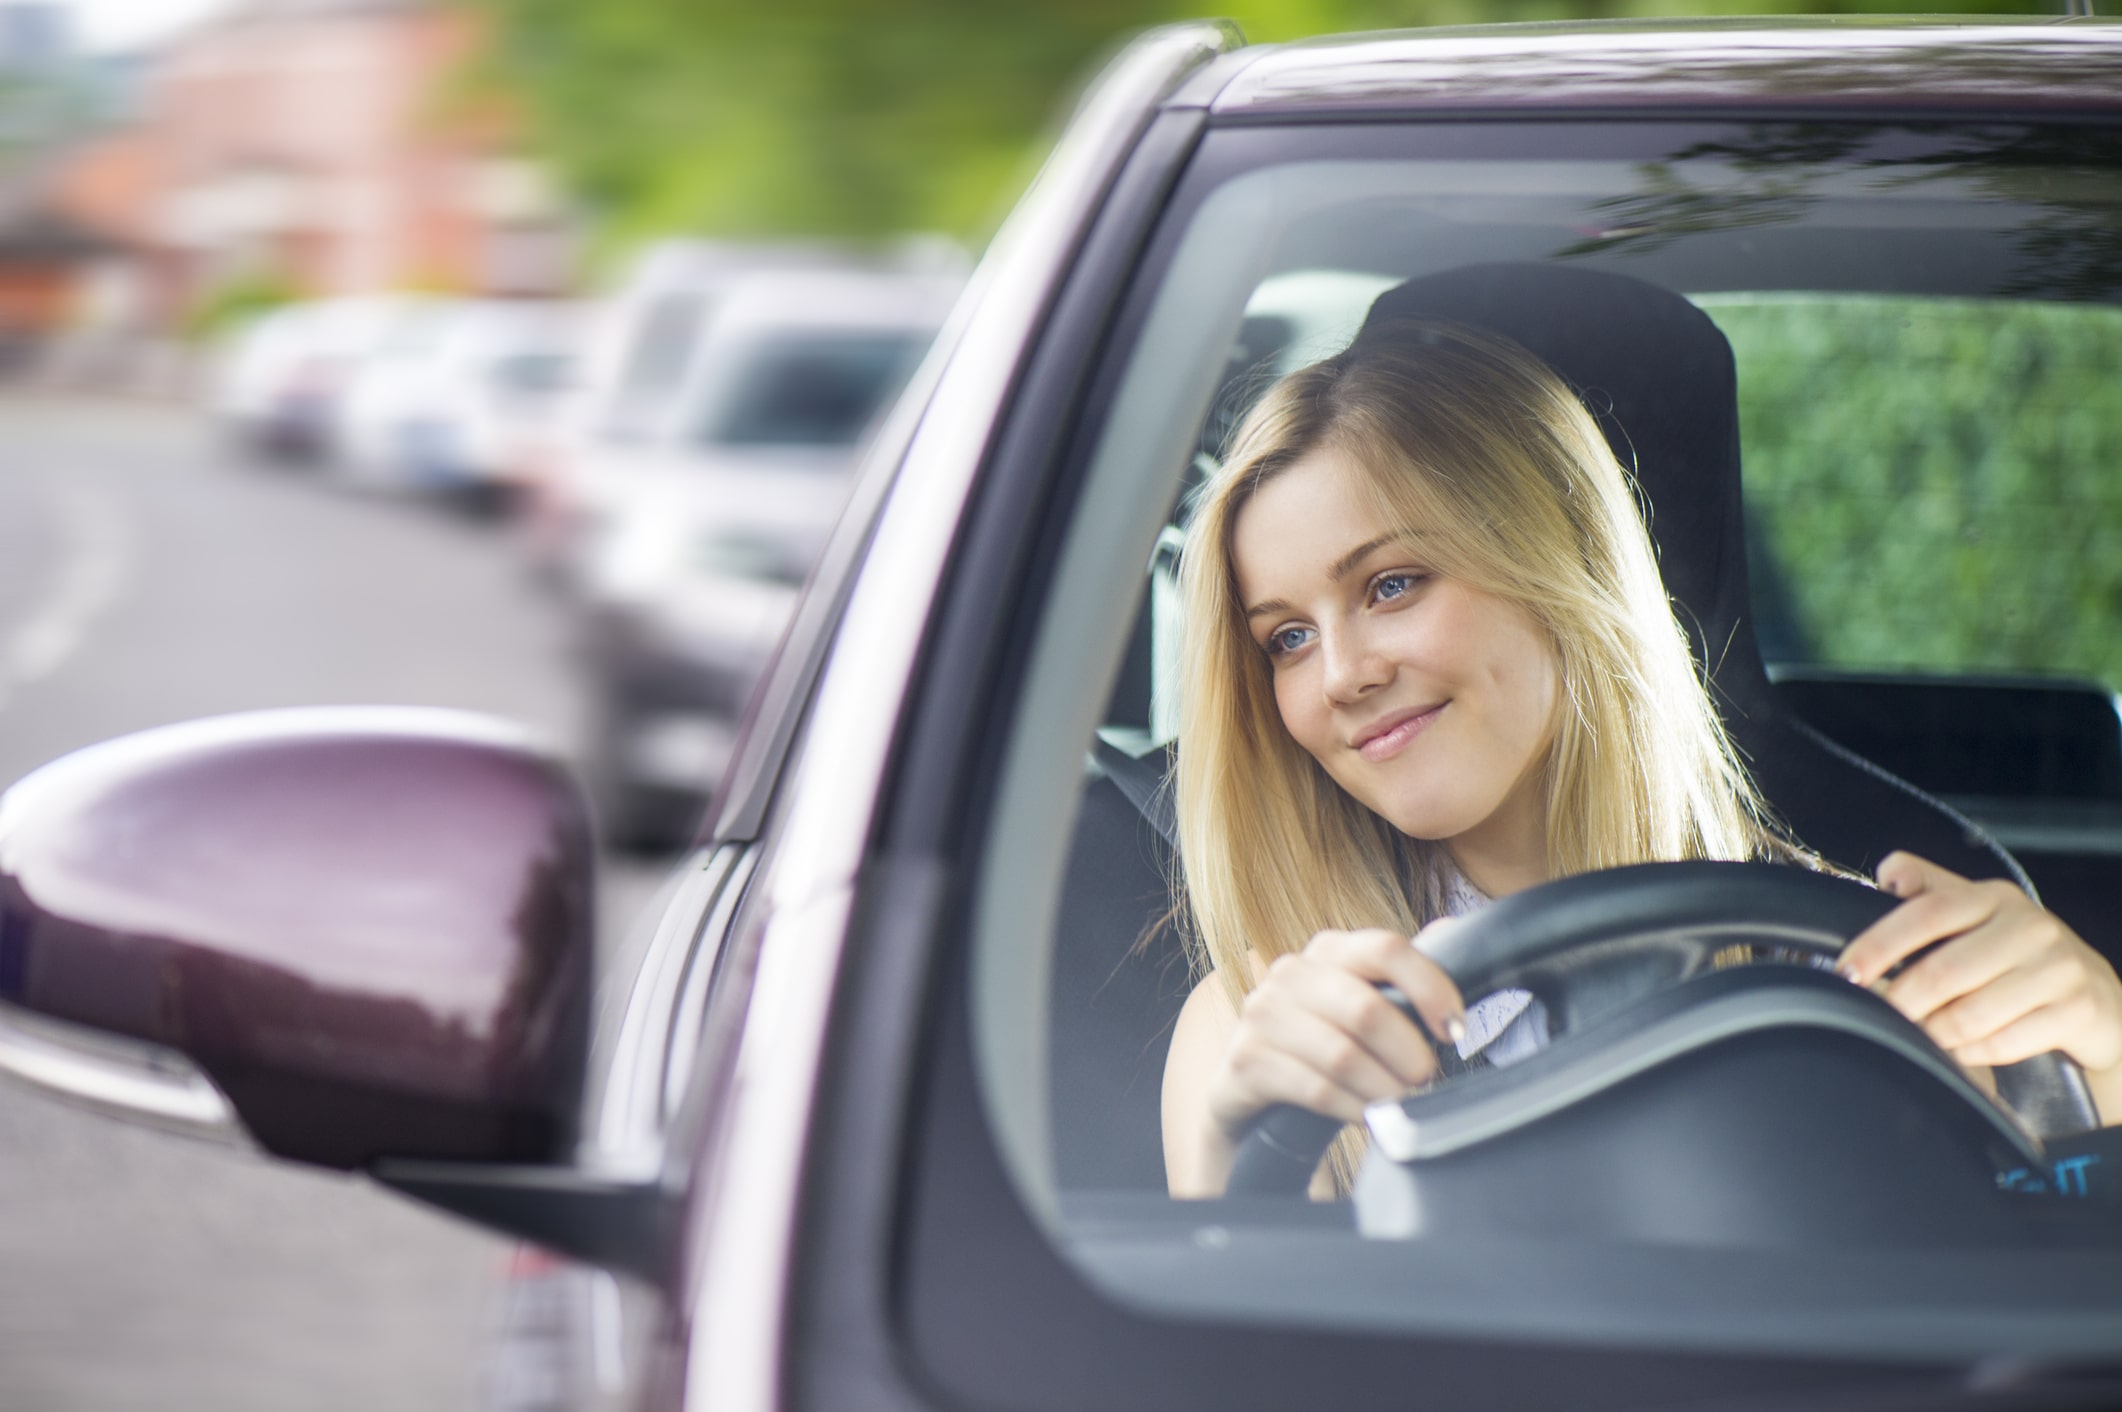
pixel 1480 445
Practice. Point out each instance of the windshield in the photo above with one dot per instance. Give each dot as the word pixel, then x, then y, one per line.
pixel 658 349
pixel 1915 567
pixel 818 388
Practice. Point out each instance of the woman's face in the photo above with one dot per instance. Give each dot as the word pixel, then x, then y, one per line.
pixel 1429 700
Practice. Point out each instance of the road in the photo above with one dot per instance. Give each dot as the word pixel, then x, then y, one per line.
pixel 146 576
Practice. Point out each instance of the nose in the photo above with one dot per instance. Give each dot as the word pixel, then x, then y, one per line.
pixel 1352 669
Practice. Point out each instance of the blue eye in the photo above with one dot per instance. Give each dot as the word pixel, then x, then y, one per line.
pixel 1283 641
pixel 1394 585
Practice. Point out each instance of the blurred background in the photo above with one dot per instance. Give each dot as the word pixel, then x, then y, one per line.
pixel 501 354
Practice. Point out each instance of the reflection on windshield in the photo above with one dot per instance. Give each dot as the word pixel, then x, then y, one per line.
pixel 2064 213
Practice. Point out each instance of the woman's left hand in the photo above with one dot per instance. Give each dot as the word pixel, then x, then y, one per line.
pixel 2010 980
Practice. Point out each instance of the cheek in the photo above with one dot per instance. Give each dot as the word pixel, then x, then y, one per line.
pixel 1301 709
pixel 1523 673
pixel 1537 690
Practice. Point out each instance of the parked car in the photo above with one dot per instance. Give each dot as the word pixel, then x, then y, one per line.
pixel 281 382
pixel 464 401
pixel 642 352
pixel 695 543
pixel 878 1122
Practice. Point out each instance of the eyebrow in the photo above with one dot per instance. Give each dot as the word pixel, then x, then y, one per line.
pixel 1341 569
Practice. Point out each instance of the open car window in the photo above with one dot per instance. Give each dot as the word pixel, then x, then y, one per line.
pixel 1922 321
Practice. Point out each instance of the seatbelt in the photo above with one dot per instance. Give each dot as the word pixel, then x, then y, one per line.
pixel 1141 781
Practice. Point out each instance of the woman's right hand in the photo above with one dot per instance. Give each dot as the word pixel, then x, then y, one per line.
pixel 1314 1031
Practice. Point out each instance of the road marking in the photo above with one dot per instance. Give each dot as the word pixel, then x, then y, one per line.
pixel 95 546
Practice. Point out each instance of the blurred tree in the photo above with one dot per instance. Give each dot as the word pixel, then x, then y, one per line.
pixel 853 117
pixel 838 117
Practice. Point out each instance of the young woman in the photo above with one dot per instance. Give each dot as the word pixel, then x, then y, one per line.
pixel 1430 661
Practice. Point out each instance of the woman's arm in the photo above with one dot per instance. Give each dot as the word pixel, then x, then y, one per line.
pixel 1313 1031
pixel 1197 1156
pixel 2011 981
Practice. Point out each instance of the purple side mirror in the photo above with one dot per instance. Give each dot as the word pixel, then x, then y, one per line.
pixel 369 927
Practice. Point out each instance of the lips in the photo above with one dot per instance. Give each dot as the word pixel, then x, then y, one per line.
pixel 1389 734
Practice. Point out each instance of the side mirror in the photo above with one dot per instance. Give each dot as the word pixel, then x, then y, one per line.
pixel 367 930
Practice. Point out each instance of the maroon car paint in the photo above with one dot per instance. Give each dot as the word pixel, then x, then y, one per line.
pixel 370 927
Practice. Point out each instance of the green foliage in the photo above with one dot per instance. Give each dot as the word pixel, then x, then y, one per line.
pixel 858 117
pixel 1938 477
pixel 846 117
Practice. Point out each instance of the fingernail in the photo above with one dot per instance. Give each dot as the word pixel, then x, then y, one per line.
pixel 1455 1029
pixel 1848 972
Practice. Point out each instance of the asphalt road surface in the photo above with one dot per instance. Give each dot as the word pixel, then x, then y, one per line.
pixel 148 575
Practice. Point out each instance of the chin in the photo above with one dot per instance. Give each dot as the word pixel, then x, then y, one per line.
pixel 1428 824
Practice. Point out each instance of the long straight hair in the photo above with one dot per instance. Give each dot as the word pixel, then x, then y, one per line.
pixel 1476 443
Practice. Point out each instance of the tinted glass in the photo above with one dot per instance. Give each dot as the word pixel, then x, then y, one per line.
pixel 531 374
pixel 662 342
pixel 811 389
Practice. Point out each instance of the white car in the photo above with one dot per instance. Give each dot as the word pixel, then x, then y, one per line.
pixel 461 400
pixel 283 380
pixel 698 542
pixel 641 351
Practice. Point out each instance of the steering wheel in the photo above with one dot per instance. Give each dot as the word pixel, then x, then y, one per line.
pixel 1590 946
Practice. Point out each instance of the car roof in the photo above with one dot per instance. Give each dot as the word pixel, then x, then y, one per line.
pixel 1859 66
pixel 842 298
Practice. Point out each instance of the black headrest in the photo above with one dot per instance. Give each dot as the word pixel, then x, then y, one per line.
pixel 1658 375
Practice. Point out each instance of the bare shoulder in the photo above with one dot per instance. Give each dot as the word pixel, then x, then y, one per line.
pixel 1207 1016
pixel 1199 1039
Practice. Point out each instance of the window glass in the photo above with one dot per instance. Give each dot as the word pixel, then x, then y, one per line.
pixel 1922 322
pixel 819 389
pixel 530 374
pixel 658 352
pixel 656 358
pixel 1933 480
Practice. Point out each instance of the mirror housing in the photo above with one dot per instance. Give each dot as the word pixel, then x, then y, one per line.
pixel 370 928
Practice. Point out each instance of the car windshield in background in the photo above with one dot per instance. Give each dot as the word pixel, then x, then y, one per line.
pixel 1925 330
pixel 819 389
pixel 655 361
pixel 531 374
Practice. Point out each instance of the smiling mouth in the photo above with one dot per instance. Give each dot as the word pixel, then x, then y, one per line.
pixel 1389 736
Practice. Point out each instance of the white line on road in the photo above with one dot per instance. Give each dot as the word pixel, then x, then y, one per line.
pixel 94 551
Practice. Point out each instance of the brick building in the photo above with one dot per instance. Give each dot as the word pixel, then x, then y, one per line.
pixel 318 145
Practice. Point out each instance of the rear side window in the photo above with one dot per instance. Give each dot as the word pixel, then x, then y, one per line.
pixel 1936 535
pixel 1932 482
